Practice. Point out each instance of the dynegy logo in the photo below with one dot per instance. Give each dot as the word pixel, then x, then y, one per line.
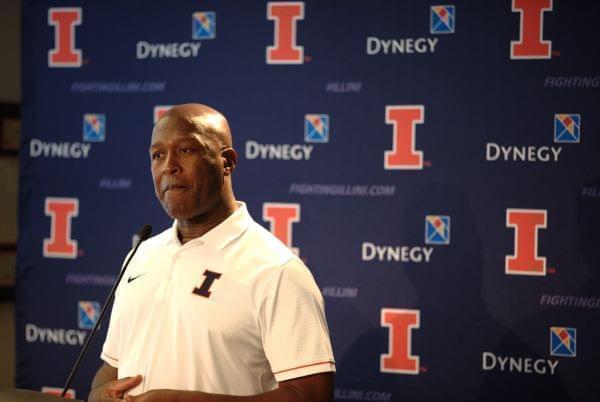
pixel 566 130
pixel 566 127
pixel 563 341
pixel 400 46
pixel 93 130
pixel 437 229
pixel 437 232
pixel 316 130
pixel 562 344
pixel 174 50
pixel 518 364
pixel 441 21
pixel 88 313
pixel 63 149
pixel 296 152
pixel 60 336
pixel 94 127
pixel 386 253
pixel 204 25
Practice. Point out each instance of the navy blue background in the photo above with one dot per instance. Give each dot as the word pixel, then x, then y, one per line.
pixel 472 92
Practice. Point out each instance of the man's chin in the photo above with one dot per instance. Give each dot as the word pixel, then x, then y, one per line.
pixel 183 212
pixel 176 212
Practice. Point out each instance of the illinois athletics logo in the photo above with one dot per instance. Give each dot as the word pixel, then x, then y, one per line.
pixel 525 260
pixel 94 127
pixel 64 20
pixel 404 120
pixel 400 324
pixel 209 278
pixel 437 229
pixel 87 314
pixel 531 44
pixel 204 25
pixel 563 341
pixel 441 20
pixel 316 128
pixel 285 16
pixel 61 211
pixel 159 111
pixel 282 216
pixel 566 128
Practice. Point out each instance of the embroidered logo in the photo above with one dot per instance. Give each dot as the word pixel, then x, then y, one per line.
pixel 133 278
pixel 210 278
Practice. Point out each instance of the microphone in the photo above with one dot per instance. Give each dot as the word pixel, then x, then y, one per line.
pixel 143 234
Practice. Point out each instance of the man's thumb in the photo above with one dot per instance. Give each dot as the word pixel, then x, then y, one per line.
pixel 123 384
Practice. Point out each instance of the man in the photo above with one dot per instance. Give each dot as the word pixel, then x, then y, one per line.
pixel 214 308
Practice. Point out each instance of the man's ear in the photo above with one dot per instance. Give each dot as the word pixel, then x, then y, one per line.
pixel 230 157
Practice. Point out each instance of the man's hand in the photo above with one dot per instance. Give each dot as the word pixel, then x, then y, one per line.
pixel 106 386
pixel 114 390
pixel 312 388
pixel 162 395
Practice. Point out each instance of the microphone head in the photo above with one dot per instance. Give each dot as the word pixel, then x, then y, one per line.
pixel 144 233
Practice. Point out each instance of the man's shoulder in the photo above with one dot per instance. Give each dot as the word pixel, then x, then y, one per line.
pixel 265 258
pixel 268 244
pixel 260 250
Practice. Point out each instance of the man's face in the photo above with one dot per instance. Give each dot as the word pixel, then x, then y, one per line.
pixel 186 169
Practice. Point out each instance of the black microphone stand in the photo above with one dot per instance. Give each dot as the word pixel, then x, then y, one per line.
pixel 143 234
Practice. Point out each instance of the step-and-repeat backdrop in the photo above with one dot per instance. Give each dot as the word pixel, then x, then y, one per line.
pixel 436 165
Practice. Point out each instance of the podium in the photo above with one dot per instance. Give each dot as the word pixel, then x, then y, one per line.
pixel 24 395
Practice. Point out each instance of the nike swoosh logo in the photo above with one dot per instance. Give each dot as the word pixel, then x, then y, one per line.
pixel 133 278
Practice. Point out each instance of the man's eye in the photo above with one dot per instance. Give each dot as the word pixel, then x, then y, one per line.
pixel 157 155
pixel 186 150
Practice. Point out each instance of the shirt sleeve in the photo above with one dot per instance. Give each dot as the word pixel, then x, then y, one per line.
pixel 294 330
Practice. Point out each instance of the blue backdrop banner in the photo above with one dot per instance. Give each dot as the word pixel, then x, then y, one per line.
pixel 437 167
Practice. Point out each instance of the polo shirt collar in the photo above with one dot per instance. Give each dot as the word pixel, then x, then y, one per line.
pixel 224 233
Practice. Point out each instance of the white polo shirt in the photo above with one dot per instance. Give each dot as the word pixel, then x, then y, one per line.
pixel 231 312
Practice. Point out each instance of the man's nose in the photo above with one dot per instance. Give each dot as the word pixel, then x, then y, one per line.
pixel 171 164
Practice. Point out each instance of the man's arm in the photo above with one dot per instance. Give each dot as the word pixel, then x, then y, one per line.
pixel 312 388
pixel 106 386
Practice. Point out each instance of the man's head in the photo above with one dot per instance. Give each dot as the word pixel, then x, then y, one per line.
pixel 191 161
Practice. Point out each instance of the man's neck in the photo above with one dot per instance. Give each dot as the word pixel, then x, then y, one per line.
pixel 190 229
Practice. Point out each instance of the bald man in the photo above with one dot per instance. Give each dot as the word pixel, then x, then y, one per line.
pixel 214 308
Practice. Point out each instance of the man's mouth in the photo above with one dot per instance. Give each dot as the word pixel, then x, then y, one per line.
pixel 174 187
